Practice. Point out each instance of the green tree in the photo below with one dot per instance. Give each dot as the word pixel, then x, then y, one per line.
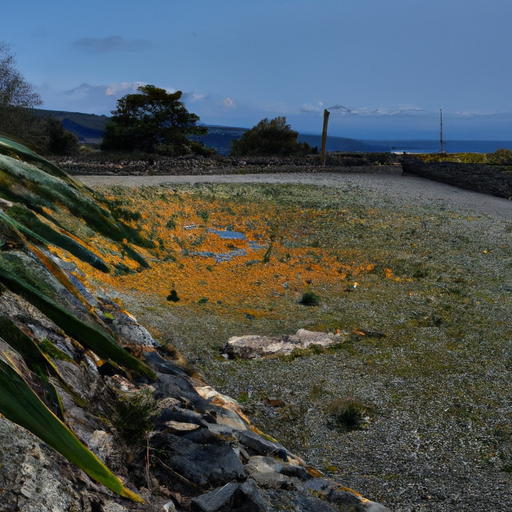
pixel 270 138
pixel 60 141
pixel 152 121
pixel 17 117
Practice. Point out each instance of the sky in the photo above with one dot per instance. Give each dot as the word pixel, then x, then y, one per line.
pixel 386 66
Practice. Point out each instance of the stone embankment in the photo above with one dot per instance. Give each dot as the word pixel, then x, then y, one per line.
pixel 486 179
pixel 196 165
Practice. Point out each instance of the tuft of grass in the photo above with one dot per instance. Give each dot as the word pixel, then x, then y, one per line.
pixel 135 417
pixel 348 413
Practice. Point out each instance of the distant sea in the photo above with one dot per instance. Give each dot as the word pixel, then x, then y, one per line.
pixel 409 146
pixel 450 146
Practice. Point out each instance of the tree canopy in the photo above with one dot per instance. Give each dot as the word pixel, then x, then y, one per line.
pixel 270 138
pixel 152 121
pixel 15 91
pixel 17 117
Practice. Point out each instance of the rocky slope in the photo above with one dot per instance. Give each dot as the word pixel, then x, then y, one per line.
pixel 72 359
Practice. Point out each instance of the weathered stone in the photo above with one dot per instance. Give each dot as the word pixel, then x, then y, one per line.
pixel 32 477
pixel 206 463
pixel 132 333
pixel 176 426
pixel 161 365
pixel 267 474
pixel 231 498
pixel 252 346
pixel 287 499
pixel 261 445
pixel 180 416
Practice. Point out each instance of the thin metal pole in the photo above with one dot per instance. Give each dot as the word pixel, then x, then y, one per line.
pixel 441 130
pixel 324 135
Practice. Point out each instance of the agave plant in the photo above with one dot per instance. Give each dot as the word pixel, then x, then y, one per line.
pixel 21 357
pixel 19 404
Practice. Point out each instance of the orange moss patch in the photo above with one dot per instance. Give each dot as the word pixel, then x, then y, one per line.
pixel 273 256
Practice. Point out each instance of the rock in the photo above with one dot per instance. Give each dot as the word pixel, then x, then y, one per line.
pixel 252 346
pixel 207 463
pixel 176 426
pixel 261 445
pixel 231 498
pixel 267 474
pixel 33 478
pixel 101 444
pixel 297 500
pixel 178 415
pixel 131 332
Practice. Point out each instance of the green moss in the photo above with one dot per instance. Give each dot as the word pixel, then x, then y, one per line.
pixel 49 348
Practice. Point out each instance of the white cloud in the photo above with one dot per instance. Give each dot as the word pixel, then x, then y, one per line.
pixel 111 44
pixel 190 96
pixel 365 111
pixel 228 102
pixel 119 90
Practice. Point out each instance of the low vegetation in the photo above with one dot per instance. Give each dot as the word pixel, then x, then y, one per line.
pixel 270 138
pixel 500 157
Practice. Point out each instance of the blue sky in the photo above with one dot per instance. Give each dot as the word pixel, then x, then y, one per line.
pixel 392 64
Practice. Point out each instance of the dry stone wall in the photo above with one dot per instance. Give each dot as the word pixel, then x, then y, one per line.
pixel 486 179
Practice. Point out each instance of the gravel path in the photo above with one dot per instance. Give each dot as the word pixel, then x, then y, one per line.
pixel 409 188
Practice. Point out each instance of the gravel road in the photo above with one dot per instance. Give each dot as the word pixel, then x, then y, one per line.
pixel 408 188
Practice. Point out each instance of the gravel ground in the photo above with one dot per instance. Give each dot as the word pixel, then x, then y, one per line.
pixel 439 436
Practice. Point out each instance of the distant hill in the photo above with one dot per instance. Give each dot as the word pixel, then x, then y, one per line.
pixel 343 144
pixel 220 138
pixel 90 128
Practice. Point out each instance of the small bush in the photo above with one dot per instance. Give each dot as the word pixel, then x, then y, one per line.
pixel 135 416
pixel 349 414
pixel 309 299
pixel 501 156
pixel 173 296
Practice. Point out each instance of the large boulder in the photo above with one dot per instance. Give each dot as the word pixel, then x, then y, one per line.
pixel 253 346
